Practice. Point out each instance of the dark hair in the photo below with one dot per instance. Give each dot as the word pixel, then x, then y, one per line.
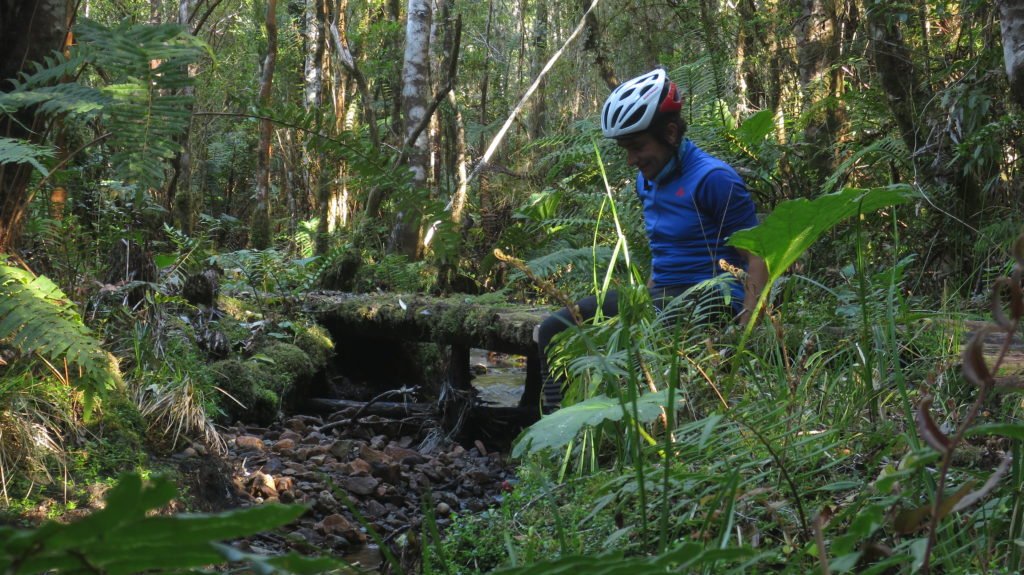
pixel 660 123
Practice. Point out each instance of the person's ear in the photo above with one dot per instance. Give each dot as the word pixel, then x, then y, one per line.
pixel 672 133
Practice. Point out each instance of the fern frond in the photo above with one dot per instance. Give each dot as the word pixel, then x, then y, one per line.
pixel 36 317
pixel 14 151
pixel 584 258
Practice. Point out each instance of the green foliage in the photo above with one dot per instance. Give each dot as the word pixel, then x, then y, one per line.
pixel 125 537
pixel 141 105
pixel 14 151
pixel 563 426
pixel 36 317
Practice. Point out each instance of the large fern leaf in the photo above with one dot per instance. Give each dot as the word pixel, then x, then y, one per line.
pixel 13 151
pixel 146 67
pixel 36 317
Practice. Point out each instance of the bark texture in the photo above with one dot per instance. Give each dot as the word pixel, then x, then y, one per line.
pixel 31 30
pixel 1011 14
pixel 261 229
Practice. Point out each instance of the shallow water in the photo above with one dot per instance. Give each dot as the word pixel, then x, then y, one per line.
pixel 504 381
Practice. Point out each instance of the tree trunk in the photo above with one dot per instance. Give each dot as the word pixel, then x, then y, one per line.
pixel 31 30
pixel 1011 15
pixel 313 67
pixel 595 46
pixel 261 228
pixel 415 87
pixel 180 202
pixel 538 56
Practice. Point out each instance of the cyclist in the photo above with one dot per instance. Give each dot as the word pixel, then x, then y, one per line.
pixel 692 203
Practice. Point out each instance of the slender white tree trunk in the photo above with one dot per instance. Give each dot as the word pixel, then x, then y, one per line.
pixel 415 87
pixel 1011 14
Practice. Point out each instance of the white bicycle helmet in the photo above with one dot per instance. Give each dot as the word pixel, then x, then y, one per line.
pixel 632 105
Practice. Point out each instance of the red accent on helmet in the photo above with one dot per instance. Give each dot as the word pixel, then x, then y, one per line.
pixel 672 102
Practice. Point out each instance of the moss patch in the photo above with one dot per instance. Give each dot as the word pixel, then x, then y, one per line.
pixel 316 342
pixel 256 385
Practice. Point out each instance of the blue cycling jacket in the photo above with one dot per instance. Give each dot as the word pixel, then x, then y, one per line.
pixel 690 210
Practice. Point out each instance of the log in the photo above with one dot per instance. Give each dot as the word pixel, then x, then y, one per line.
pixel 379 408
pixel 460 321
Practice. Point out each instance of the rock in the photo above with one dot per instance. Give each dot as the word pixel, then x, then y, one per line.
pixel 262 486
pixel 326 502
pixel 375 509
pixel 443 509
pixel 317 460
pixel 284 484
pixel 342 449
pixel 388 473
pixel 283 445
pixel 286 496
pixel 403 455
pixel 296 424
pixel 360 467
pixel 249 442
pixel 478 369
pixel 372 455
pixel 188 452
pixel 335 523
pixel 296 437
pixel 360 484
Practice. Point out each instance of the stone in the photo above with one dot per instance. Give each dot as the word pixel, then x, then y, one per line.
pixel 249 442
pixel 284 483
pixel 372 455
pixel 286 496
pixel 388 473
pixel 443 509
pixel 360 467
pixel 375 509
pixel 342 449
pixel 480 447
pixel 360 484
pixel 262 485
pixel 283 445
pixel 296 424
pixel 403 455
pixel 335 523
pixel 296 437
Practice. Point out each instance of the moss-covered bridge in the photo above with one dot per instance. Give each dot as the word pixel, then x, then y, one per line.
pixel 462 323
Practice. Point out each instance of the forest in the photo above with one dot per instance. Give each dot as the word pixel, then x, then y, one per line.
pixel 259 258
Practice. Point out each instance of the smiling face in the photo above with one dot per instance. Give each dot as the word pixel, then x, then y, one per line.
pixel 647 153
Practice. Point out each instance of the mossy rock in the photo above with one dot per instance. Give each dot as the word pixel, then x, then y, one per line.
pixel 289 361
pixel 316 341
pixel 256 385
pixel 116 435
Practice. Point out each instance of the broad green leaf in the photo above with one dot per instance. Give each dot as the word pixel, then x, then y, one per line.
pixel 1013 431
pixel 754 129
pixel 562 426
pixel 795 225
pixel 845 563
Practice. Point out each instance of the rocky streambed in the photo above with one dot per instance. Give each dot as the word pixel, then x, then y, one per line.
pixel 355 478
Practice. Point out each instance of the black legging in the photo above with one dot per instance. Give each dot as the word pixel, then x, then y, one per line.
pixel 561 320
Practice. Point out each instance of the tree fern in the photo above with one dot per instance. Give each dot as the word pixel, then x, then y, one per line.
pixel 36 317
pixel 139 106
pixel 13 151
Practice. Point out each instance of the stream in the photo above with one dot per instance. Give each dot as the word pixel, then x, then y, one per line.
pixel 388 470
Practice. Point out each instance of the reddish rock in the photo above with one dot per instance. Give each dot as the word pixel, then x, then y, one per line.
pixel 283 445
pixel 249 442
pixel 360 484
pixel 360 467
pixel 372 455
pixel 404 455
